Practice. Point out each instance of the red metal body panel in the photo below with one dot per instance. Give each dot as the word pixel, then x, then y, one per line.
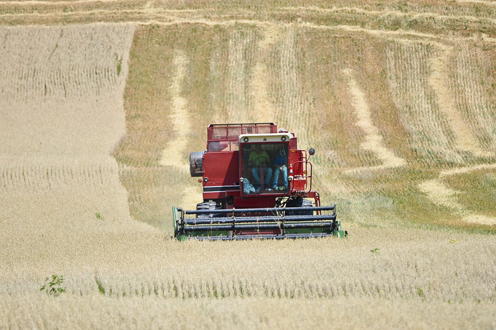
pixel 224 137
pixel 293 143
pixel 254 202
pixel 231 132
pixel 221 168
pixel 294 162
pixel 299 184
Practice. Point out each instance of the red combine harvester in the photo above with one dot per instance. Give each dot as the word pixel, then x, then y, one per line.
pixel 256 184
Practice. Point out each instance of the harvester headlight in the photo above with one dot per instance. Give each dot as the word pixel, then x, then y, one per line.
pixel 246 139
pixel 283 138
pixel 206 179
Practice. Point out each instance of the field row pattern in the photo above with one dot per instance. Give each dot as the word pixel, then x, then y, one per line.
pixel 460 269
pixel 49 176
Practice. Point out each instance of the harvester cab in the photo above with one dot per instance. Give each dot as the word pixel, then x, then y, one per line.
pixel 256 184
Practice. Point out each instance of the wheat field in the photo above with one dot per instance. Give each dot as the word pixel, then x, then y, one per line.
pixel 101 103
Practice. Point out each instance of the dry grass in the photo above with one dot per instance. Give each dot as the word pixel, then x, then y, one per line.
pixel 265 313
pixel 373 270
pixel 373 141
pixel 260 313
pixel 398 99
pixel 374 263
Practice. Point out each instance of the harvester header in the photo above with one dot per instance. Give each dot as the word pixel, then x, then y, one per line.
pixel 256 184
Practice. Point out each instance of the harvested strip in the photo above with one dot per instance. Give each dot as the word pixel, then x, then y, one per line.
pixel 441 195
pixel 174 153
pixel 237 98
pixel 394 13
pixel 373 140
pixel 264 108
pixel 468 169
pixel 481 2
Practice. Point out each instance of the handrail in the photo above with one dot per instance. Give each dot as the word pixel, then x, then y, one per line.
pixel 306 176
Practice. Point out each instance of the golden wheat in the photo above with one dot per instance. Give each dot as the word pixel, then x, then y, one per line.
pixel 392 264
pixel 372 272
pixel 34 311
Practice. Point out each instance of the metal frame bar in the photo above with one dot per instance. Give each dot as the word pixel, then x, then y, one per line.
pixel 257 226
pixel 270 236
pixel 268 209
pixel 261 219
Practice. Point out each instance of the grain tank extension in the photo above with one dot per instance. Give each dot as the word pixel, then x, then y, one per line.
pixel 256 184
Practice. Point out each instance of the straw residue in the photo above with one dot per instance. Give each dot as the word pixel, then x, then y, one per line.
pixel 264 107
pixel 237 98
pixel 440 194
pixel 479 2
pixel 173 154
pixel 443 196
pixel 373 139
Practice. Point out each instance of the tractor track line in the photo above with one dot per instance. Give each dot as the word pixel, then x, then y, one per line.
pixel 30 3
pixel 413 15
pixel 175 20
pixel 373 139
pixel 174 153
pixel 155 12
pixel 464 170
pixel 391 35
pixel 179 116
pixel 441 195
pixel 264 108
pixel 479 2
pixel 237 99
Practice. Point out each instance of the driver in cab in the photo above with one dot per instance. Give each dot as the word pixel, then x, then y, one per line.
pixel 259 157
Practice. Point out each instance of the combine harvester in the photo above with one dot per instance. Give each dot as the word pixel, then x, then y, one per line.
pixel 255 185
